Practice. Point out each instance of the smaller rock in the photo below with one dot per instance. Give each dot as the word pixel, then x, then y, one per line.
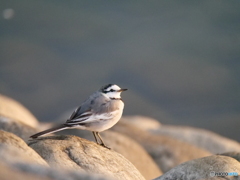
pixel 12 109
pixel 203 168
pixel 142 122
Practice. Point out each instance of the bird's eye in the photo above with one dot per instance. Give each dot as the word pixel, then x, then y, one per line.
pixel 111 90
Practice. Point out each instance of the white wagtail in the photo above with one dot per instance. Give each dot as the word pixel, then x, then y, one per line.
pixel 99 112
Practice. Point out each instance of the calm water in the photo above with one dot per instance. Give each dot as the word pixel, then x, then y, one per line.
pixel 179 60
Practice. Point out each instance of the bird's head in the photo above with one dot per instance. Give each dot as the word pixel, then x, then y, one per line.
pixel 112 91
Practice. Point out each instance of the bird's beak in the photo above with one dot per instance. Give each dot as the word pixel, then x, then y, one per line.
pixel 121 90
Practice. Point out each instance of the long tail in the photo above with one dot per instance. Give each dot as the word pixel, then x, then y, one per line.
pixel 49 131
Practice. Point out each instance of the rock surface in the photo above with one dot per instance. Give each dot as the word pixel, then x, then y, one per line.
pixel 166 151
pixel 203 168
pixel 124 145
pixel 202 138
pixel 12 109
pixel 83 155
pixel 19 161
pixel 14 149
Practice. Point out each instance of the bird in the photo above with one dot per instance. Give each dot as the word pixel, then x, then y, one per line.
pixel 102 110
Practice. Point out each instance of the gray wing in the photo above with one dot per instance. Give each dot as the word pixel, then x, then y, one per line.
pixel 78 114
pixel 95 104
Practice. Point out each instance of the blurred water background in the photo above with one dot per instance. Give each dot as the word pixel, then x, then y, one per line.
pixel 180 60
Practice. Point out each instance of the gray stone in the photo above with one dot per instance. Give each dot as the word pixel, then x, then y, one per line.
pixel 203 169
pixel 71 152
pixel 166 151
pixel 18 161
pixel 126 146
pixel 202 138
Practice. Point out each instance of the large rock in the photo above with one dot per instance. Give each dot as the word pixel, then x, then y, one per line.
pixel 18 161
pixel 12 109
pixel 14 149
pixel 83 155
pixel 202 138
pixel 203 168
pixel 166 151
pixel 126 146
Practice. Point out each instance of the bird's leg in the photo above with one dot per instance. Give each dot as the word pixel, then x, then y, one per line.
pixel 102 143
pixel 94 134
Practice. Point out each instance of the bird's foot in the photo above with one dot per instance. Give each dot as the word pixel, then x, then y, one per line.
pixel 104 146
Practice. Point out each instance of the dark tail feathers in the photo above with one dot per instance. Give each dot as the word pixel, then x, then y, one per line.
pixel 49 131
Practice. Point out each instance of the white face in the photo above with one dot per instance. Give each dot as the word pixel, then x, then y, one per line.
pixel 113 87
pixel 112 91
